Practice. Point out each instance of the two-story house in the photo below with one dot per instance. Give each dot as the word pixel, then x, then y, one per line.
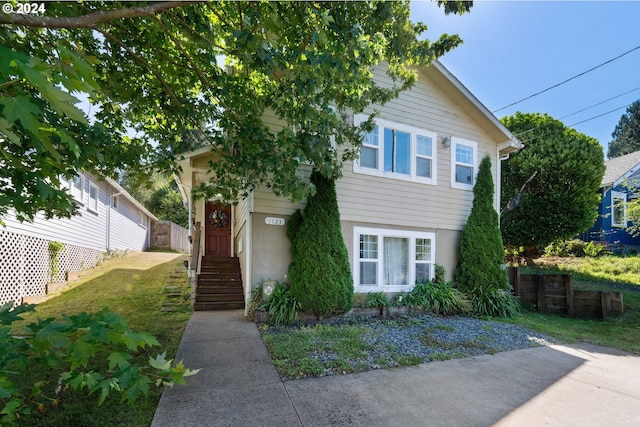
pixel 403 204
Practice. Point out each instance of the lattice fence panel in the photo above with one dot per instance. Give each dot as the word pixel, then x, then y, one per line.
pixel 25 265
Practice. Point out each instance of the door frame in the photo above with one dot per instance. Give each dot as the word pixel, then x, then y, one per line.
pixel 204 228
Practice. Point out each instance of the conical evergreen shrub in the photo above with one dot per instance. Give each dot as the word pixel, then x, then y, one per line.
pixel 320 274
pixel 481 272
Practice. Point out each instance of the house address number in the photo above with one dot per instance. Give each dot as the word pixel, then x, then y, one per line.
pixel 273 221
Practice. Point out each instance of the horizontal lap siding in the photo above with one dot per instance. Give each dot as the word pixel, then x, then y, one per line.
pixel 376 199
pixel 87 229
pixel 126 232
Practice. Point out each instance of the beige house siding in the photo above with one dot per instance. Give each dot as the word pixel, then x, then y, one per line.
pixel 270 254
pixel 378 199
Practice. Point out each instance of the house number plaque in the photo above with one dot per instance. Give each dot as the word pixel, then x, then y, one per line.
pixel 273 221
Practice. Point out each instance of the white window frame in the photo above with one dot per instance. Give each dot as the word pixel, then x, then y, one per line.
pixel 413 132
pixel 72 188
pixel 93 204
pixel 621 197
pixel 381 234
pixel 455 141
pixel 115 202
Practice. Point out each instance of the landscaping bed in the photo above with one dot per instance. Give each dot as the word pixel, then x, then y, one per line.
pixel 348 345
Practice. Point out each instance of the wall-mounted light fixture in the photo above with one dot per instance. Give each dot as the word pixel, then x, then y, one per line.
pixel 446 141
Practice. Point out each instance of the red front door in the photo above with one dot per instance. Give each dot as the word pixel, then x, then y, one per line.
pixel 217 229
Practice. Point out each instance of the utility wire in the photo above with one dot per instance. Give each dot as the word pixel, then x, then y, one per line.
pixel 568 80
pixel 580 111
pixel 574 124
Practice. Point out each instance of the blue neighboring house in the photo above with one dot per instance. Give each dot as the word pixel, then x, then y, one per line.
pixel 619 185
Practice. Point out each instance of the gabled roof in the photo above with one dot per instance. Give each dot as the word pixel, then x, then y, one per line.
pixel 480 112
pixel 619 167
pixel 122 192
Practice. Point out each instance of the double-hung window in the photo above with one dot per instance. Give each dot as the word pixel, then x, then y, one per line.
pixel 618 209
pixel 75 187
pixel 94 193
pixel 463 163
pixel 392 260
pixel 398 151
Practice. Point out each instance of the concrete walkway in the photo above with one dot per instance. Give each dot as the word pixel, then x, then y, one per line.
pixel 575 385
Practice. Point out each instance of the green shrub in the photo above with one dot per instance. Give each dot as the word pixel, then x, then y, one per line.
pixel 565 248
pixel 439 298
pixel 54 251
pixel 594 250
pixel 493 302
pixel 320 274
pixel 440 274
pixel 256 299
pixel 377 300
pixel 281 305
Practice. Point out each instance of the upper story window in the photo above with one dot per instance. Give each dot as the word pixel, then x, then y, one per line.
pixel 464 163
pixel 94 194
pixel 618 209
pixel 398 151
pixel 75 187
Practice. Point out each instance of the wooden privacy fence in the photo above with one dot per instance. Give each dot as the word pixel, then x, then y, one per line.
pixel 552 293
pixel 168 235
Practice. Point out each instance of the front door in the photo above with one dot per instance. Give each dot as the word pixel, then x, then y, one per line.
pixel 217 229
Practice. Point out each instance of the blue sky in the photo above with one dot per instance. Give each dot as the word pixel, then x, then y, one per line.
pixel 513 49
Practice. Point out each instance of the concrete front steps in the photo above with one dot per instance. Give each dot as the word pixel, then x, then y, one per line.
pixel 219 284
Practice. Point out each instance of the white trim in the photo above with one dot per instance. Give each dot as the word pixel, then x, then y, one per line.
pixel 455 141
pixel 90 202
pixel 381 233
pixel 414 132
pixel 623 197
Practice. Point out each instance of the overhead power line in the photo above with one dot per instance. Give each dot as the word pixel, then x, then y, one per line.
pixel 575 124
pixel 568 80
pixel 584 109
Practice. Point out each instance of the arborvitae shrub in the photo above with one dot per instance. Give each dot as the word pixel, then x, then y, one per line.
pixel 482 268
pixel 320 274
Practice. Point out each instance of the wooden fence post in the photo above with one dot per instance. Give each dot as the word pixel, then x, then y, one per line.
pixel 569 294
pixel 541 292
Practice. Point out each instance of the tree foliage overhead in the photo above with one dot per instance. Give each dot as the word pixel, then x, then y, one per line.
pixel 626 136
pixel 562 199
pixel 208 70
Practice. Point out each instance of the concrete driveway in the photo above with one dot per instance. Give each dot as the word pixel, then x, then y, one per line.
pixel 557 385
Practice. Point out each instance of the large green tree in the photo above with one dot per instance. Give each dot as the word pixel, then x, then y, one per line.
pixel 164 70
pixel 626 136
pixel 561 199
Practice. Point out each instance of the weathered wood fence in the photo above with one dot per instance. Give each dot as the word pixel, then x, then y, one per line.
pixel 552 293
pixel 168 235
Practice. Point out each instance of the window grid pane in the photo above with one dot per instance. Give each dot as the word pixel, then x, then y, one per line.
pixel 423 249
pixel 368 246
pixel 423 147
pixel 464 154
pixel 372 137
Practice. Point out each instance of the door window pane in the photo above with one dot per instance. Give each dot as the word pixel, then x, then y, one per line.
pixel 396 261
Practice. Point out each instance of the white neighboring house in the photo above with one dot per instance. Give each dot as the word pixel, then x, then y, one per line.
pixel 109 220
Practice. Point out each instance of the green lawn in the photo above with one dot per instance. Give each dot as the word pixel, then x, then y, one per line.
pixel 134 287
pixel 604 273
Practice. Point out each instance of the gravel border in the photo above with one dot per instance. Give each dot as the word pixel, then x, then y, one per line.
pixel 413 339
